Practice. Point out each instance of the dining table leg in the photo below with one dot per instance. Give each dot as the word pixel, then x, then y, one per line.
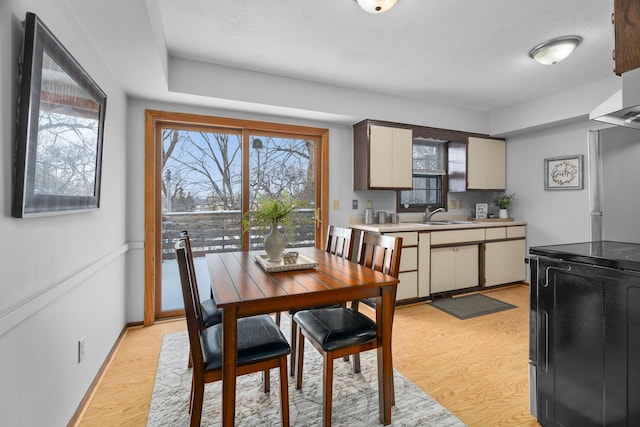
pixel 229 354
pixel 384 319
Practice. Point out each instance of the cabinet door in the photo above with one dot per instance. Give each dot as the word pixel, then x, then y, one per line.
pixel 486 164
pixel 466 266
pixel 515 268
pixel 390 157
pixel 443 270
pixel 380 156
pixel 454 268
pixel 495 260
pixel 504 262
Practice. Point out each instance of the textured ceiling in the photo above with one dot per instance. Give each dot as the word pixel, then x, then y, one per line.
pixel 462 53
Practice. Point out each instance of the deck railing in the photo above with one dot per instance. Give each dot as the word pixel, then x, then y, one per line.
pixel 220 231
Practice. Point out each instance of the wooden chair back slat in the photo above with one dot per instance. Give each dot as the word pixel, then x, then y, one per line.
pixel 380 253
pixel 340 241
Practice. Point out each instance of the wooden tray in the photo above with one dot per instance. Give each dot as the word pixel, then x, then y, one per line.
pixel 302 263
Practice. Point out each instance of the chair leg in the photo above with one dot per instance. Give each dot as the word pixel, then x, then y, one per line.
pixel 196 406
pixel 190 362
pixel 284 392
pixel 266 379
pixel 356 363
pixel 191 395
pixel 327 389
pixel 292 356
pixel 278 316
pixel 299 358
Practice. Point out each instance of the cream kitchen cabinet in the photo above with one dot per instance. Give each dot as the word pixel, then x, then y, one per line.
pixel 504 259
pixel 383 157
pixel 455 259
pixel 454 268
pixel 408 286
pixel 486 164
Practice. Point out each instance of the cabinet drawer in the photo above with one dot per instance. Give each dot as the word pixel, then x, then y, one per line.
pixel 408 286
pixel 457 236
pixel 496 233
pixel 409 238
pixel 409 259
pixel 516 231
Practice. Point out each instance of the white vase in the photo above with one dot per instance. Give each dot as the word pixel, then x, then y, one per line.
pixel 503 214
pixel 274 244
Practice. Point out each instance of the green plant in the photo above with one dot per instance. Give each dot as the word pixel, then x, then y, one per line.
pixel 503 200
pixel 283 210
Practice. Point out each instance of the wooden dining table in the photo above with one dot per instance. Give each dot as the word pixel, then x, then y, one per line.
pixel 242 287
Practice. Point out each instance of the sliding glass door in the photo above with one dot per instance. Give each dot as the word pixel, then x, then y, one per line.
pixel 209 175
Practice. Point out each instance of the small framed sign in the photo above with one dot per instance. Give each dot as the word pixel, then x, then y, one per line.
pixel 481 210
pixel 563 173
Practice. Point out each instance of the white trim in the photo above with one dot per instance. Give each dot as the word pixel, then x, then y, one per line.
pixel 26 309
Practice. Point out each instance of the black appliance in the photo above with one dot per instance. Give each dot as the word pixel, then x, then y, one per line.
pixel 585 334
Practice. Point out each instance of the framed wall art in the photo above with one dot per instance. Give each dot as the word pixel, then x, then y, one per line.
pixel 481 210
pixel 563 173
pixel 58 155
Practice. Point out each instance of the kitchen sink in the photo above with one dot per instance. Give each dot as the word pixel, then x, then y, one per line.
pixel 448 222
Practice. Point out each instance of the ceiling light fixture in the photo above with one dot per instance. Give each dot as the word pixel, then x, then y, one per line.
pixel 555 50
pixel 376 6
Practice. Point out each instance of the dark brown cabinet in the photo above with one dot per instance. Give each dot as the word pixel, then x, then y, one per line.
pixel 626 20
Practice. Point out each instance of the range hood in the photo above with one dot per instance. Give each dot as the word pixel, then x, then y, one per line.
pixel 623 107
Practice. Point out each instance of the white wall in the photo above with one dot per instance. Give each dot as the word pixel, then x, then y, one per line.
pixel 553 217
pixel 63 277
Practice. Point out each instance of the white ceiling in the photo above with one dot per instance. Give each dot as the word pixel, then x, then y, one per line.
pixel 471 54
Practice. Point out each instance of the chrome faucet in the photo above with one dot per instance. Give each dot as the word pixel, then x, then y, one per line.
pixel 428 214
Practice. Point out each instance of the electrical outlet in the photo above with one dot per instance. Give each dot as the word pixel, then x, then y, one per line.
pixel 81 349
pixel 354 204
pixel 336 205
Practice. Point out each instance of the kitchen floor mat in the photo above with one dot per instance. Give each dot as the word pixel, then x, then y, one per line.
pixel 468 306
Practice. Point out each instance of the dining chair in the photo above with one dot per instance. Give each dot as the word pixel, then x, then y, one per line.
pixel 340 243
pixel 339 332
pixel 211 315
pixel 261 346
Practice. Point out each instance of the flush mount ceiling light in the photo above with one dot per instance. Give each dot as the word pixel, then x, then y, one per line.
pixel 555 50
pixel 376 6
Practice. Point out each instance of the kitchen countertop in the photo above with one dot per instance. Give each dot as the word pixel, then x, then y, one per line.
pixel 416 226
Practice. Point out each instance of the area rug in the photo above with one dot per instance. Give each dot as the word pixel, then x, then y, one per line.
pixel 355 396
pixel 469 306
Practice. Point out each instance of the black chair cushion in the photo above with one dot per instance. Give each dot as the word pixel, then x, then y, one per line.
pixel 211 315
pixel 336 328
pixel 259 339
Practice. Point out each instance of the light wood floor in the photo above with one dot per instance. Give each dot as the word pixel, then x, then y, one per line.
pixel 476 368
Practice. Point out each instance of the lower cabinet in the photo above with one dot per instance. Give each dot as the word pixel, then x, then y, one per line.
pixel 408 286
pixel 504 262
pixel 454 268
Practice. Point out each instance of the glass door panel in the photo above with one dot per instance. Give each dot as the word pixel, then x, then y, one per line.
pixel 201 193
pixel 283 165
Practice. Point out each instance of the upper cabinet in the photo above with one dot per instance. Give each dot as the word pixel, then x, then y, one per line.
pixel 626 21
pixel 486 164
pixel 382 157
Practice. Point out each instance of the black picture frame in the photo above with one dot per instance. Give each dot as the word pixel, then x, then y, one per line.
pixel 61 113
